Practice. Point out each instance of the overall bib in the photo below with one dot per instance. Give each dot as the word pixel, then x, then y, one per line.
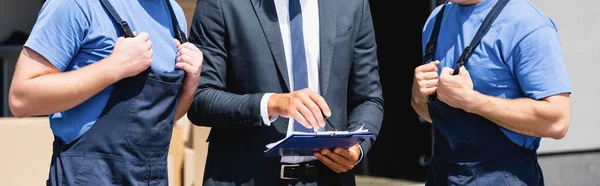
pixel 128 144
pixel 469 149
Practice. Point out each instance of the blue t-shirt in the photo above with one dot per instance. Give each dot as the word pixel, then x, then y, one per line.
pixel 520 56
pixel 72 34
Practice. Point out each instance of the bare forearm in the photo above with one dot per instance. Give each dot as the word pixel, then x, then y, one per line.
pixel 183 104
pixel 421 109
pixel 524 115
pixel 56 92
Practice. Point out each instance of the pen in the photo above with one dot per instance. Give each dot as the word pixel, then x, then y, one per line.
pixel 328 122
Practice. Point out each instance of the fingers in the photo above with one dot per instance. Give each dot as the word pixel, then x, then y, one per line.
pixel 310 106
pixel 177 43
pixel 185 58
pixel 319 106
pixel 337 161
pixel 185 67
pixel 308 115
pixel 344 162
pixel 143 36
pixel 426 76
pixel 316 117
pixel 148 45
pixel 189 52
pixel 428 91
pixel 429 83
pixel 330 163
pixel 434 65
pixel 120 39
pixel 300 118
pixel 150 53
pixel 343 152
pixel 187 45
pixel 189 55
pixel 320 101
pixel 191 47
pixel 427 72
pixel 429 67
pixel 446 71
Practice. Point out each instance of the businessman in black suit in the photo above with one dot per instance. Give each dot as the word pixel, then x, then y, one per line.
pixel 277 66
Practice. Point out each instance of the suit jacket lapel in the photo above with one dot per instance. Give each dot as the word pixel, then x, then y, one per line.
pixel 267 16
pixel 327 28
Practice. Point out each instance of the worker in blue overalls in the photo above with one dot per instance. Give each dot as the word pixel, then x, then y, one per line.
pixel 493 83
pixel 112 79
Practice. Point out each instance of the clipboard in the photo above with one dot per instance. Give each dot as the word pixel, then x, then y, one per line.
pixel 304 144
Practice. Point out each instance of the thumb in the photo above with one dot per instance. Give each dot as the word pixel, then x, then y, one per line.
pixel 447 71
pixel 463 72
pixel 120 39
pixel 177 43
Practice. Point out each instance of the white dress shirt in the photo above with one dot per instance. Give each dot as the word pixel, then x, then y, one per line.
pixel 310 28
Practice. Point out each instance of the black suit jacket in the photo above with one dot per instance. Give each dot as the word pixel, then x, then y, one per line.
pixel 244 59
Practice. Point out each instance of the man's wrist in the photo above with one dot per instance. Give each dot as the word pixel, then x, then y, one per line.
pixel 189 91
pixel 474 101
pixel 264 114
pixel 116 72
pixel 362 154
pixel 417 101
pixel 272 105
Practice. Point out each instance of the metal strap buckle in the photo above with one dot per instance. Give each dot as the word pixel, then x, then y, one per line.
pixel 282 173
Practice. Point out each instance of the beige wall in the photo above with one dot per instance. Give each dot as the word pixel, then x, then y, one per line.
pixel 578 25
pixel 188 8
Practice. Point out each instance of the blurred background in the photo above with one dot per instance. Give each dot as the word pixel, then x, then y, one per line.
pixel 400 155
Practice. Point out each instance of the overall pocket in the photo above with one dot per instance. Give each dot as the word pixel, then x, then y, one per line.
pixel 152 116
pixel 106 169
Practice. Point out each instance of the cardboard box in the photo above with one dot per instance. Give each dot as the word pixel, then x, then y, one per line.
pixel 26 150
pixel 171 170
pixel 196 150
pixel 189 167
pixel 176 153
pixel 200 134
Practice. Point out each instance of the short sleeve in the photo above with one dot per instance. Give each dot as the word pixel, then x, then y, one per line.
pixel 59 32
pixel 538 64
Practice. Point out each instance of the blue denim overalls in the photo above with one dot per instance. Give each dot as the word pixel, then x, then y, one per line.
pixel 128 144
pixel 469 149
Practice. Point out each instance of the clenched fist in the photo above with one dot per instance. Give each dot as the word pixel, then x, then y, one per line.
pixel 189 59
pixel 133 55
pixel 425 81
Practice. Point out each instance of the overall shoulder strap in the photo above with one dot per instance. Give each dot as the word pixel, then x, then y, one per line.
pixel 113 13
pixel 483 29
pixel 432 43
pixel 179 34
